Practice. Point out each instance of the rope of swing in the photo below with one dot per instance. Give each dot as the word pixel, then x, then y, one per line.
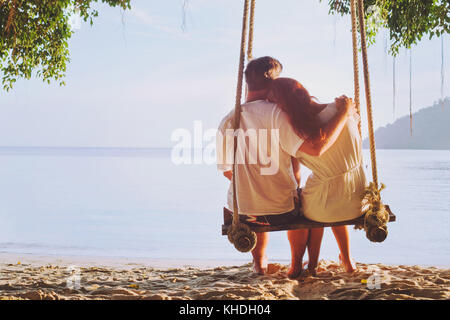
pixel 362 30
pixel 357 12
pixel 237 109
pixel 251 30
pixel 355 61
pixel 376 216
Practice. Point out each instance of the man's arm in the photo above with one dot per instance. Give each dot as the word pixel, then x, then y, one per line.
pixel 224 145
pixel 332 129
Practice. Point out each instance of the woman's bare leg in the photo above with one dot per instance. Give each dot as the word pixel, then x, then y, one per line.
pixel 259 253
pixel 298 240
pixel 343 241
pixel 314 243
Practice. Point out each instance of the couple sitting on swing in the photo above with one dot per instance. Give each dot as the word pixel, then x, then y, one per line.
pixel 287 120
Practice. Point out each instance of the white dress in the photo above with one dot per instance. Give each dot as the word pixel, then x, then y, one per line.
pixel 333 191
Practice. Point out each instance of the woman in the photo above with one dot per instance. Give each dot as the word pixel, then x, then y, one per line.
pixel 333 191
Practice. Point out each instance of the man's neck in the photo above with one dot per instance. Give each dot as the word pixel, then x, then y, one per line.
pixel 256 95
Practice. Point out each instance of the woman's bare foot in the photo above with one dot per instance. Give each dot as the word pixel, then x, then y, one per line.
pixel 296 270
pixel 312 269
pixel 348 265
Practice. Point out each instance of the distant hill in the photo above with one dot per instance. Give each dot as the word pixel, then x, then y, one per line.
pixel 431 130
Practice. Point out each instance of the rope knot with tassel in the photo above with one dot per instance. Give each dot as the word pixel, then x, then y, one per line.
pixel 376 216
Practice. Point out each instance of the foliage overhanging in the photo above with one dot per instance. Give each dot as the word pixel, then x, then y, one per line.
pixel 34 34
pixel 408 21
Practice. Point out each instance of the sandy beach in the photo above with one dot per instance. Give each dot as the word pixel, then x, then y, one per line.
pixel 60 279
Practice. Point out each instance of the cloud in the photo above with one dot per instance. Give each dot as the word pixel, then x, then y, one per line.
pixel 154 22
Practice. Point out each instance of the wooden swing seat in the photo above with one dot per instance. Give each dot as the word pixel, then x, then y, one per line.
pixel 301 223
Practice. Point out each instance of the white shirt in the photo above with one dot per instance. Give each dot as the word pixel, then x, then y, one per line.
pixel 265 180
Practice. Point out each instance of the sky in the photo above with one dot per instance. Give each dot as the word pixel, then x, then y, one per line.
pixel 136 76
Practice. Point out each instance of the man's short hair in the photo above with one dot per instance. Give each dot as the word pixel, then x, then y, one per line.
pixel 261 71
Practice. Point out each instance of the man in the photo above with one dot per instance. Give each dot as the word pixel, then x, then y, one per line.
pixel 265 182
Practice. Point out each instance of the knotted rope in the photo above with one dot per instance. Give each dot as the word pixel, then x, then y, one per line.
pixel 376 216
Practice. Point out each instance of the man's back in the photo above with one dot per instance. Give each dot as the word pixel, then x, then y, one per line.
pixel 266 141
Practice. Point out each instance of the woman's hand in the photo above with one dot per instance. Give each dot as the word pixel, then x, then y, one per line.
pixel 346 105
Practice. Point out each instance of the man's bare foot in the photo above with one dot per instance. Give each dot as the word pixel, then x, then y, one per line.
pixel 260 270
pixel 260 266
pixel 349 265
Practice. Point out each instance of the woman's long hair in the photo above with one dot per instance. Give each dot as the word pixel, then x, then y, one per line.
pixel 302 110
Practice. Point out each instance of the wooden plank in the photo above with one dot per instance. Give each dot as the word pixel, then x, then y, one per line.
pixel 301 223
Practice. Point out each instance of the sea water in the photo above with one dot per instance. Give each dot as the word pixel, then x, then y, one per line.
pixel 137 203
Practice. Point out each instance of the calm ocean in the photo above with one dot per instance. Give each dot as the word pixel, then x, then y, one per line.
pixel 136 203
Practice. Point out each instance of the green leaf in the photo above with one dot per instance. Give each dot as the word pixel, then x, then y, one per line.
pixel 34 36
